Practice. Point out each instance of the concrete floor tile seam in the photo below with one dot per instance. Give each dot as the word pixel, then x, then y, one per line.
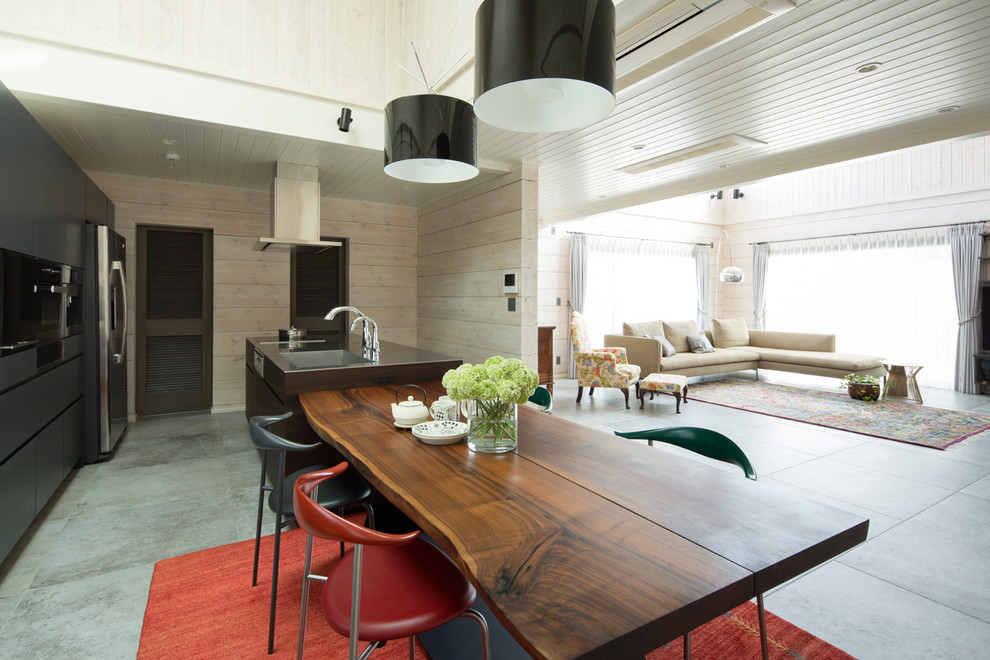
pixel 819 497
pixel 908 589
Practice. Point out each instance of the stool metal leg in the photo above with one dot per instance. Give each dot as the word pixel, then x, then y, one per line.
pixel 687 646
pixel 486 644
pixel 261 504
pixel 280 482
pixel 763 627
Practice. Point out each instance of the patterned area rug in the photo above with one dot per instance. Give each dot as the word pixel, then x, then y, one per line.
pixel 892 420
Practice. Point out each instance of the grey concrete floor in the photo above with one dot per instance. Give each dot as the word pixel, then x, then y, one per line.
pixel 77 583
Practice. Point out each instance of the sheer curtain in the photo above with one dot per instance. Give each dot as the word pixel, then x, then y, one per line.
pixel 761 251
pixel 967 247
pixel 579 278
pixel 889 294
pixel 619 271
pixel 703 286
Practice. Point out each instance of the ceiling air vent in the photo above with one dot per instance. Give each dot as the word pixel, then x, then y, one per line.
pixel 649 38
pixel 717 146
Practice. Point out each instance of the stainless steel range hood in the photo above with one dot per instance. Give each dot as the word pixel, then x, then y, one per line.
pixel 295 210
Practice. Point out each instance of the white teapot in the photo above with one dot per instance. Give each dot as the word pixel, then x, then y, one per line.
pixel 410 412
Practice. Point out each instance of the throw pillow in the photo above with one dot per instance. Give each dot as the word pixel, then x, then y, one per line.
pixel 645 329
pixel 666 348
pixel 730 332
pixel 700 344
pixel 677 333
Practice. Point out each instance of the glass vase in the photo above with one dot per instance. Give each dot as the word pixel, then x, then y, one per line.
pixel 493 426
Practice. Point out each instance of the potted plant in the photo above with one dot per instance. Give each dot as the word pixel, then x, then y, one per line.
pixel 862 387
pixel 491 392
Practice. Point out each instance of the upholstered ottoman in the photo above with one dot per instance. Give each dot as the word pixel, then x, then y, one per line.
pixel 669 383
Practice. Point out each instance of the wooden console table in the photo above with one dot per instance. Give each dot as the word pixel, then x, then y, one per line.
pixel 544 353
pixel 585 544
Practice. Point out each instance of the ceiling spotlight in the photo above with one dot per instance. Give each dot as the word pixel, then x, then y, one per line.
pixel 948 108
pixel 345 119
pixel 169 142
pixel 173 160
pixel 638 147
pixel 869 67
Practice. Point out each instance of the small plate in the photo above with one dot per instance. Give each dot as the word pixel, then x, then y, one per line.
pixel 406 426
pixel 440 433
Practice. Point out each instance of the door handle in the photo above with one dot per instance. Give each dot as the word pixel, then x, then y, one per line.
pixel 118 266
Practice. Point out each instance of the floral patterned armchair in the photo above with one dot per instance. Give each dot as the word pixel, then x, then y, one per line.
pixel 600 367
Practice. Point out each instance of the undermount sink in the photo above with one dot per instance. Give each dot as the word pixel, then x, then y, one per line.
pixel 323 359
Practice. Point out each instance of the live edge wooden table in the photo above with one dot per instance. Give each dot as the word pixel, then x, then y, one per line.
pixel 586 545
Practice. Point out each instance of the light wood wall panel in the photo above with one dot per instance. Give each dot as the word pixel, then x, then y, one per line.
pixel 467 242
pixel 555 284
pixel 339 49
pixel 937 184
pixel 251 288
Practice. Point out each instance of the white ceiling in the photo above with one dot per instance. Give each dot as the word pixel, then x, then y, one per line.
pixel 789 82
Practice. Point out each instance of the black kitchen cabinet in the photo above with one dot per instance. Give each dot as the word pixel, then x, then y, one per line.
pixel 72 440
pixel 48 461
pixel 97 205
pixel 18 185
pixel 18 510
pixel 61 205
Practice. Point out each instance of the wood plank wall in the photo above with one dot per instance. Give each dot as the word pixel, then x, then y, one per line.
pixel 466 242
pixel 340 49
pixel 938 184
pixel 942 183
pixel 555 285
pixel 251 288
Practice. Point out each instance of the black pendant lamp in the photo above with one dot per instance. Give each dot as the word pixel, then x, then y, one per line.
pixel 544 65
pixel 431 138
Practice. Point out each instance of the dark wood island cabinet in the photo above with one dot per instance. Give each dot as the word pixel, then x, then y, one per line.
pixel 278 372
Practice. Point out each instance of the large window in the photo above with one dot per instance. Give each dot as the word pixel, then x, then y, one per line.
pixel 637 280
pixel 888 294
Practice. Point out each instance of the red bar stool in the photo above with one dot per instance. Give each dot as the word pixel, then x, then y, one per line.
pixel 349 489
pixel 410 586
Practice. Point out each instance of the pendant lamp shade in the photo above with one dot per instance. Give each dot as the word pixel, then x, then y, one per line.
pixel 731 274
pixel 430 138
pixel 544 65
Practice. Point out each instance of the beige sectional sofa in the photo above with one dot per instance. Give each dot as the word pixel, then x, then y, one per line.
pixel 737 348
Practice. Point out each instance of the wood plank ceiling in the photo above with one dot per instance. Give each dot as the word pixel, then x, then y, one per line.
pixel 790 82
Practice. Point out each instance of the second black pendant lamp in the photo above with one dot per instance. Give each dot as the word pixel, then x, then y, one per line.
pixel 430 138
pixel 544 65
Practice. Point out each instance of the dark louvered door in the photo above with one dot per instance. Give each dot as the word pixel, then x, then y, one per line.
pixel 319 283
pixel 174 365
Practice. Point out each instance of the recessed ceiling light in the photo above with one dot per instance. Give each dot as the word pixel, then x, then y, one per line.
pixel 638 147
pixel 169 141
pixel 602 196
pixel 948 108
pixel 722 166
pixel 869 67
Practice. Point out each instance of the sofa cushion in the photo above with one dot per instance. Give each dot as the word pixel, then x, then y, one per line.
pixel 728 333
pixel 794 341
pixel 666 348
pixel 677 332
pixel 846 361
pixel 716 357
pixel 699 344
pixel 644 329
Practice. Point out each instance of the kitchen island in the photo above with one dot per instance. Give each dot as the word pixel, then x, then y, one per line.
pixel 278 372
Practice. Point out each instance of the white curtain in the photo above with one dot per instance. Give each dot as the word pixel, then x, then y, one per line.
pixel 579 277
pixel 761 252
pixel 889 294
pixel 703 276
pixel 967 247
pixel 637 280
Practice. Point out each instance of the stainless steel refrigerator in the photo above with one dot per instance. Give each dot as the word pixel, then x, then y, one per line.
pixel 106 342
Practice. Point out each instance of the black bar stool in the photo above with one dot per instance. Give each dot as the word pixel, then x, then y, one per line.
pixel 349 489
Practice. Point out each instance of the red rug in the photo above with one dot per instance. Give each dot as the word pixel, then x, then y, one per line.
pixel 202 605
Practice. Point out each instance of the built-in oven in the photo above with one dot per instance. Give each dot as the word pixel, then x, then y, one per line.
pixel 42 308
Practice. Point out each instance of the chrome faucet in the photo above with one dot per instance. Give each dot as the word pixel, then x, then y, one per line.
pixel 369 334
pixel 369 337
